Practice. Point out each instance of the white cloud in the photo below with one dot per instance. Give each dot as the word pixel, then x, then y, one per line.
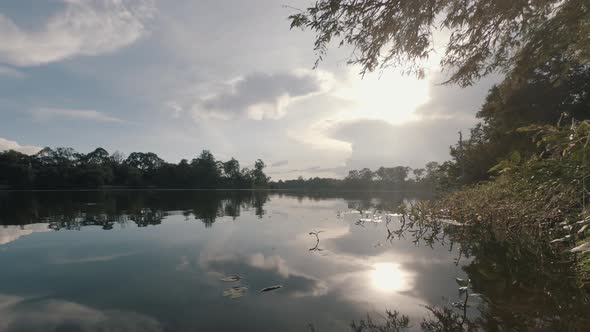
pixel 12 145
pixel 90 115
pixel 259 96
pixel 81 28
pixel 50 315
pixel 379 140
pixel 91 259
pixel 275 264
pixel 9 233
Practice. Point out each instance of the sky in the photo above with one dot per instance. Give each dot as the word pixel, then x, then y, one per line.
pixel 177 77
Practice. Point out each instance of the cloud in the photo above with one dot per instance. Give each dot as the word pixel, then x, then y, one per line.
pixel 375 142
pixel 260 96
pixel 9 233
pixel 315 170
pixel 81 28
pixel 53 315
pixel 378 143
pixel 275 264
pixel 92 259
pixel 449 102
pixel 90 115
pixel 12 145
pixel 10 72
pixel 280 163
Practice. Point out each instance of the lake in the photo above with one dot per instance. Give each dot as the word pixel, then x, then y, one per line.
pixel 198 260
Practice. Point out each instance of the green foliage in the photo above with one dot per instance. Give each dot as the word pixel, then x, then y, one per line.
pixel 393 322
pixel 446 320
pixel 66 168
pixel 558 91
pixel 541 197
pixel 486 35
pixel 258 176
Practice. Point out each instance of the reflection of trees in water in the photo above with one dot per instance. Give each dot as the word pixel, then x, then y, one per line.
pixel 524 284
pixel 73 210
pixel 106 208
pixel 515 283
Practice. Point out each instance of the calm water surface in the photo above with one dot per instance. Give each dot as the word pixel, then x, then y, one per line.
pixel 153 261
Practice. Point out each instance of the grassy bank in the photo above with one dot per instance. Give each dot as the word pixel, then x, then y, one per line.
pixel 541 199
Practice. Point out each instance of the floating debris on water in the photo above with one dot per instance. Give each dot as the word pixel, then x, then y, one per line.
pixel 317 243
pixel 231 278
pixel 271 288
pixel 378 244
pixel 235 292
pixel 462 282
pixel 451 222
pixel 351 212
pixel 375 220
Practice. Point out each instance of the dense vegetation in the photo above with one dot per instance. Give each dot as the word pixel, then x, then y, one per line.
pixel 66 168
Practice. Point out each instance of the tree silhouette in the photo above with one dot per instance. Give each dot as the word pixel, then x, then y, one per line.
pixel 66 168
pixel 485 35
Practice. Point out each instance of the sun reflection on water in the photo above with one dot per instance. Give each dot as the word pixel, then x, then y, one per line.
pixel 388 277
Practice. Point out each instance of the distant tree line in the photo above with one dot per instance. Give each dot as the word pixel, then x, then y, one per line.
pixel 398 178
pixel 67 168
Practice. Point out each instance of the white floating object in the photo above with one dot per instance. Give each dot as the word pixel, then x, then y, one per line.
pixel 231 278
pixel 451 222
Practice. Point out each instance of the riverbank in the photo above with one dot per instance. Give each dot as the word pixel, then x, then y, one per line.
pixel 541 200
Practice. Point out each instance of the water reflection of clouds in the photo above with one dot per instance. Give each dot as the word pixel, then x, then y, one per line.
pixel 9 233
pixel 349 278
pixel 398 272
pixel 89 259
pixel 379 279
pixel 299 284
pixel 39 315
